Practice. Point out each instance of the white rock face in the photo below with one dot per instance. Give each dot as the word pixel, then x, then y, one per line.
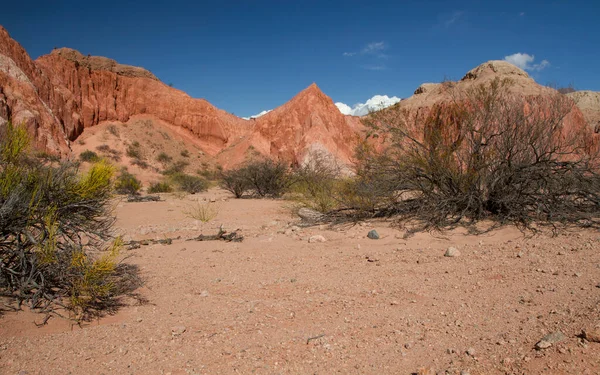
pixel 376 103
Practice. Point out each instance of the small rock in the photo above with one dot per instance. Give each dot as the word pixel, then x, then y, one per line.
pixel 178 330
pixel 550 339
pixel 317 238
pixel 394 303
pixel 309 215
pixel 471 352
pixel 520 254
pixel 593 334
pixel 295 228
pixel 373 235
pixel 426 371
pixel 288 232
pixel 577 274
pixel 452 252
pixel 204 293
pixel 465 372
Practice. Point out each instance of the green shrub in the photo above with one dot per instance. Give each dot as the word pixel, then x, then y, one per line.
pixel 140 163
pixel 185 153
pixel 127 183
pixel 134 152
pixel 160 187
pixel 164 158
pixel 189 184
pixel 318 182
pixel 175 168
pixel 52 221
pixel 89 156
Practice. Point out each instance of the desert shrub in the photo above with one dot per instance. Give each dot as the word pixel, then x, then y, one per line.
pixel 318 182
pixel 202 211
pixel 235 182
pixel 140 163
pixel 160 187
pixel 188 183
pixel 175 168
pixel 134 152
pixel 267 178
pixel 127 183
pixel 164 158
pixel 89 156
pixel 112 129
pixel 52 219
pixel 264 178
pixel 111 153
pixel 488 154
pixel 185 153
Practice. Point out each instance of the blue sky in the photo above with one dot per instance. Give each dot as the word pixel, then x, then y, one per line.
pixel 246 56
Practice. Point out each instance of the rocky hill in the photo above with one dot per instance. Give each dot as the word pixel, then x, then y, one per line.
pixel 61 94
pixel 589 103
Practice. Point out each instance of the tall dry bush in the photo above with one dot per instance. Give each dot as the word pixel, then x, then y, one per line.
pixel 487 154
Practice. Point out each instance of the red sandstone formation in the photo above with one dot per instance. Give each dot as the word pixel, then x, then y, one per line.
pixel 62 93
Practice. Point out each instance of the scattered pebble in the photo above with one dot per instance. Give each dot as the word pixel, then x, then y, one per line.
pixel 373 235
pixel 471 352
pixel 592 334
pixel 178 330
pixel 550 339
pixel 317 238
pixel 452 252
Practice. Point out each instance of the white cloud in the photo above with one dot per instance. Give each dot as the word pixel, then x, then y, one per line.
pixel 522 14
pixel 526 61
pixel 258 115
pixel 371 49
pixel 450 19
pixel 376 103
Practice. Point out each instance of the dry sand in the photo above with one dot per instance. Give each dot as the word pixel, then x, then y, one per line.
pixel 277 304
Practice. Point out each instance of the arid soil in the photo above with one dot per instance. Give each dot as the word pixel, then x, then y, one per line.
pixel 277 304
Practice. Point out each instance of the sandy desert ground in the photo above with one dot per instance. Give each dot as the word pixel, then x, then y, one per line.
pixel 277 304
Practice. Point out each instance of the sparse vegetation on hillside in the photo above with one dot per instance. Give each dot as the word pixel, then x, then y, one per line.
pixel 107 151
pixel 175 168
pixel 164 158
pixel 89 156
pixel 47 210
pixel 112 129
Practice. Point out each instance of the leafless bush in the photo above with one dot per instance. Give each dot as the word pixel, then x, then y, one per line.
pixel 489 154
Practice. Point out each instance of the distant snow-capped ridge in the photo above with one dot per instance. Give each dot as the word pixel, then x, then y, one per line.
pixel 257 116
pixel 374 104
